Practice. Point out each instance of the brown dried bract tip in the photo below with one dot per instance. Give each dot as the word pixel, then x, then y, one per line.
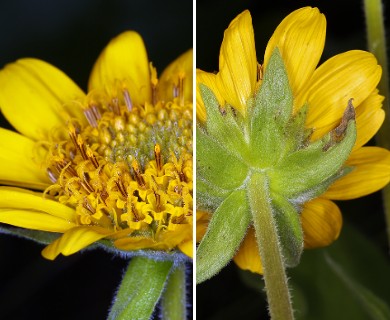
pixel 337 134
pixel 349 114
pixel 259 72
pixel 222 111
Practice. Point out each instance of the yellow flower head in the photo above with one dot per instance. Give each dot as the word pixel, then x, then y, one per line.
pixel 115 163
pixel 325 90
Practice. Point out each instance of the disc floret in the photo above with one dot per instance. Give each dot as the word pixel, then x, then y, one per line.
pixel 128 169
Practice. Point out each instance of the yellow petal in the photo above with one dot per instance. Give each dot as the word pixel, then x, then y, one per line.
pixel 371 173
pixel 175 235
pixel 20 162
pixel 34 220
pixel 321 222
pixel 369 118
pixel 178 70
pixel 353 74
pixel 300 38
pixel 248 257
pixel 187 248
pixel 164 240
pixel 202 221
pixel 237 75
pixel 210 80
pixel 74 240
pixel 33 97
pixel 124 61
pixel 15 198
pixel 135 243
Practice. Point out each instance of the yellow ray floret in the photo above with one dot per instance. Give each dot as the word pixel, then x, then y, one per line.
pixel 115 163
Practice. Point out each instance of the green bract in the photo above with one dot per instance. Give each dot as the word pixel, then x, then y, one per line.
pixel 272 144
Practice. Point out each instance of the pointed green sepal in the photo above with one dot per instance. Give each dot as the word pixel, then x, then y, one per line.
pixel 208 196
pixel 226 230
pixel 223 124
pixel 289 229
pixel 271 113
pixel 318 163
pixel 216 165
pixel 297 136
pixel 309 194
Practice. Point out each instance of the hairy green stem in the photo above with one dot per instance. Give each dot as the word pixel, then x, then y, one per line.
pixel 173 303
pixel 377 45
pixel 140 289
pixel 275 278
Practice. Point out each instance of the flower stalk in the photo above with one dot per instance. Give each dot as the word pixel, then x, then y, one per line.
pixel 173 302
pixel 377 45
pixel 267 237
pixel 140 289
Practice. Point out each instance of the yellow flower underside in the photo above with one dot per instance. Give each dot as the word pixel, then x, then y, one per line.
pixel 300 38
pixel 115 163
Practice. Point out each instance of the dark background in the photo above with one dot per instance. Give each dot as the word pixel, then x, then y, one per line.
pixel 70 34
pixel 345 25
pixel 318 293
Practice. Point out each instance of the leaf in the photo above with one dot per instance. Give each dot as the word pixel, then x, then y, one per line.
pixel 323 295
pixel 375 307
pixel 226 230
pixel 140 289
